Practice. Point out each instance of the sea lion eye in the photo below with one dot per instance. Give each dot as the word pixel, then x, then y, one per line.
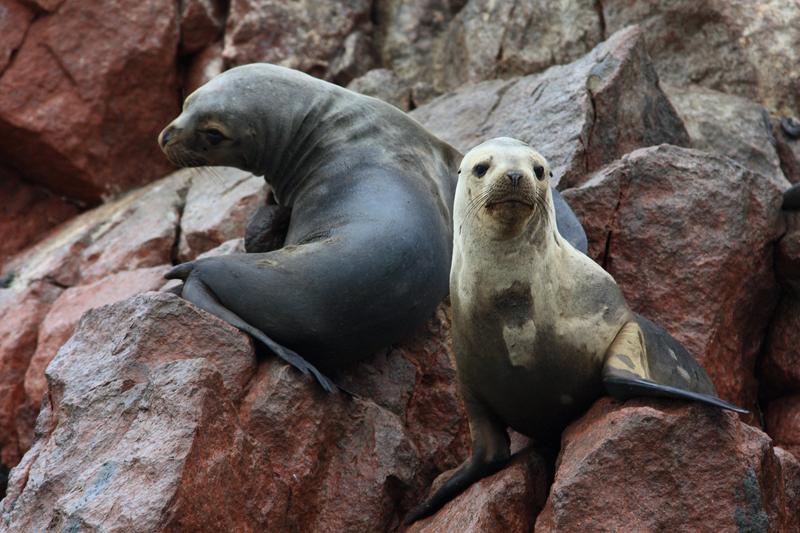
pixel 214 136
pixel 480 169
pixel 539 171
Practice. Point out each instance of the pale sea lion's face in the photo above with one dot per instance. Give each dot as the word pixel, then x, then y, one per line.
pixel 215 128
pixel 504 184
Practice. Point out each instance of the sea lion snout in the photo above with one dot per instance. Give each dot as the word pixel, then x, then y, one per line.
pixel 514 176
pixel 165 136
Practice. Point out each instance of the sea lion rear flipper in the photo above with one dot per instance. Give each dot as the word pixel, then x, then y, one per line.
pixel 199 294
pixel 644 360
pixel 623 388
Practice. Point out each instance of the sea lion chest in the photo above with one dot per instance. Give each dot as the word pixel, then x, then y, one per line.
pixel 530 336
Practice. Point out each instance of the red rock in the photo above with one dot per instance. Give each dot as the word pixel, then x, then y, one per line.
pixel 666 466
pixel 780 363
pixel 729 125
pixel 505 502
pixel 26 214
pixel 21 311
pixel 751 49
pixel 790 467
pixel 59 324
pixel 489 39
pixel 782 422
pixel 384 84
pixel 168 373
pixel 307 35
pixel 87 93
pixel 689 238
pixel 45 5
pixel 202 67
pixel 201 22
pixel 15 19
pixel 153 392
pixel 572 114
pixel 136 231
pixel 218 205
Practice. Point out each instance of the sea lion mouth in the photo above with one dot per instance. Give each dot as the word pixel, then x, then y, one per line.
pixel 181 157
pixel 509 202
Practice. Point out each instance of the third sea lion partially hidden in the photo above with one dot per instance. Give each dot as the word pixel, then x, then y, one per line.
pixel 540 331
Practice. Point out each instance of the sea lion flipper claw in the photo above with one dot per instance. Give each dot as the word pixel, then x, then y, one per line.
pixel 199 294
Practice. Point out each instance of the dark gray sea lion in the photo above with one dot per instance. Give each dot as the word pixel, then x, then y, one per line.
pixel 540 331
pixel 367 253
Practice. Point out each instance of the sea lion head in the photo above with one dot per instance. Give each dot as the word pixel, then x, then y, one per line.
pixel 217 127
pixel 503 186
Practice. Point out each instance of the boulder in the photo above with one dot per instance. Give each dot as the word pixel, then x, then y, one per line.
pixel 202 67
pixel 782 422
pixel 729 125
pixel 27 213
pixel 579 116
pixel 330 40
pixel 442 44
pixel 152 392
pixel 21 312
pixel 689 237
pixel 14 23
pixel 138 230
pixel 489 39
pixel 384 84
pixel 60 322
pixel 201 23
pixel 86 94
pixel 505 502
pixel 666 466
pixel 780 362
pixel 751 49
pixel 218 205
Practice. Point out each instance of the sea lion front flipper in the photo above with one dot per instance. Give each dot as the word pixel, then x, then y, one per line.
pixel 490 453
pixel 199 294
pixel 644 360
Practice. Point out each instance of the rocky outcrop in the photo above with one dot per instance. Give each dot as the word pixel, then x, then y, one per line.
pixel 688 266
pixel 218 205
pixel 27 214
pixel 729 125
pixel 665 467
pixel 751 49
pixel 157 416
pixel 194 413
pixel 86 89
pixel 330 40
pixel 572 114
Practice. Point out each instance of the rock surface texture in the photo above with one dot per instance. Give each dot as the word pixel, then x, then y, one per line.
pixel 127 409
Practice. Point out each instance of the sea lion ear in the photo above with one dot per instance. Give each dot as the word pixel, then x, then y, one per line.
pixel 459 171
pixel 551 173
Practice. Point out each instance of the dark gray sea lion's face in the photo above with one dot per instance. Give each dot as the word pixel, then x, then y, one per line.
pixel 503 184
pixel 215 128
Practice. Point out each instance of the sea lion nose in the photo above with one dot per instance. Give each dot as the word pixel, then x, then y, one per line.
pixel 165 136
pixel 514 176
